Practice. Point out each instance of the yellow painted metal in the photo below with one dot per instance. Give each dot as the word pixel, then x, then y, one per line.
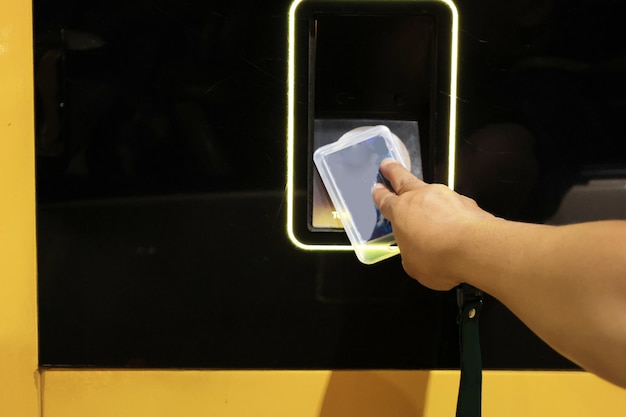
pixel 99 393
pixel 18 318
pixel 68 393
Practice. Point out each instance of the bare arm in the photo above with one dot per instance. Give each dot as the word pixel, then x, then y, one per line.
pixel 567 283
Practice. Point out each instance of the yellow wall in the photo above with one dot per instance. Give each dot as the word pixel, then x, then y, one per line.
pixel 321 394
pixel 68 393
pixel 18 320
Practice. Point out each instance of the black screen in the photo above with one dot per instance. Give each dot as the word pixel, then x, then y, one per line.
pixel 373 66
pixel 366 70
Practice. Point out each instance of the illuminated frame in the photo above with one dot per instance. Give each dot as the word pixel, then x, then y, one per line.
pixel 291 123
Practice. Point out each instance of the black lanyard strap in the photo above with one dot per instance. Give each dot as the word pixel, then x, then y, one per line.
pixel 470 303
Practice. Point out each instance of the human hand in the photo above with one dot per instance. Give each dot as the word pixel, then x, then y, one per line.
pixel 430 223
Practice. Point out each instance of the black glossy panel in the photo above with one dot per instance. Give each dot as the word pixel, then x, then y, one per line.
pixel 161 236
pixel 211 281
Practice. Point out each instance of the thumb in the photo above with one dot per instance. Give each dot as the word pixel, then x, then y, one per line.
pixel 384 200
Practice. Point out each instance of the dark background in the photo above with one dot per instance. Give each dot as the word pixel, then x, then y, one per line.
pixel 161 167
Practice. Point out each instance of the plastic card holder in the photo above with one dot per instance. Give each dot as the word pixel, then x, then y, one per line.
pixel 349 168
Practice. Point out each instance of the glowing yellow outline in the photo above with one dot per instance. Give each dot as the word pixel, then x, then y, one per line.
pixel 291 123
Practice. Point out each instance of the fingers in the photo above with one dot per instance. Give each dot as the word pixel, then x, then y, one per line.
pixel 383 198
pixel 401 179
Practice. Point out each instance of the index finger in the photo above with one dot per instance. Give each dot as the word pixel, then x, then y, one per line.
pixel 400 178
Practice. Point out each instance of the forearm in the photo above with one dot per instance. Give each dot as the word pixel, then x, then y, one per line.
pixel 567 283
